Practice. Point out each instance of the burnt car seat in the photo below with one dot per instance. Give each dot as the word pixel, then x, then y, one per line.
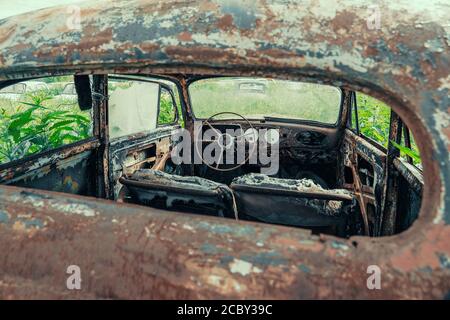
pixel 293 202
pixel 180 193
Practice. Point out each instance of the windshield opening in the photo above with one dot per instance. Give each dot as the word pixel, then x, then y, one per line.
pixel 261 98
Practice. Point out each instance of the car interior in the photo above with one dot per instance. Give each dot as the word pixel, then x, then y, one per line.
pixel 307 158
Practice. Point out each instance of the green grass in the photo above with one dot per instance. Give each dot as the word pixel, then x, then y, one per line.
pixel 374 117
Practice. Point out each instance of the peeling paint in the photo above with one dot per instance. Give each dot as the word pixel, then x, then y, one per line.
pixel 405 64
pixel 243 267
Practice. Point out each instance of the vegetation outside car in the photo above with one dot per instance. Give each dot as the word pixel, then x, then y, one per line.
pixel 259 98
pixel 38 122
pixel 45 119
pixel 374 120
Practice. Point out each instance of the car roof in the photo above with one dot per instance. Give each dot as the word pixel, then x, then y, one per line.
pixel 332 34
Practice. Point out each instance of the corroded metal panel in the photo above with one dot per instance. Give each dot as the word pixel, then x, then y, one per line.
pixel 127 251
pixel 133 252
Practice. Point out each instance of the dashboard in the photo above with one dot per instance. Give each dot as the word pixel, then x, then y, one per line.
pixel 299 142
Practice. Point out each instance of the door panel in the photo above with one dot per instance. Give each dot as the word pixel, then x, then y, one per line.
pixel 364 172
pixel 47 134
pixel 134 152
pixel 390 184
pixel 65 169
pixel 139 137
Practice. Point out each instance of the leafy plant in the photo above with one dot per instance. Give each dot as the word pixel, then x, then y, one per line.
pixel 408 152
pixel 39 124
pixel 374 120
pixel 166 109
pixel 373 116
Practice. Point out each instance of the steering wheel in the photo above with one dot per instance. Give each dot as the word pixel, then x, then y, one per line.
pixel 225 137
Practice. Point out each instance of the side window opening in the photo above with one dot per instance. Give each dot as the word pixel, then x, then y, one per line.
pixel 167 108
pixel 37 116
pixel 133 106
pixel 372 118
pixel 353 119
pixel 408 148
pixel 178 103
pixel 391 200
pixel 140 105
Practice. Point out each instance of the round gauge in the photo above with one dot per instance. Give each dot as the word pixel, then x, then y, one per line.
pixel 251 135
pixel 272 136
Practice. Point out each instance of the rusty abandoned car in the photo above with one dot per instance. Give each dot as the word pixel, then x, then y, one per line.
pixel 97 186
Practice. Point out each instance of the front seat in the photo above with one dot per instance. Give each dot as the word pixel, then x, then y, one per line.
pixel 180 193
pixel 293 202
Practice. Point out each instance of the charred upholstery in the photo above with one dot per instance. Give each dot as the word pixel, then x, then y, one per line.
pixel 293 202
pixel 192 194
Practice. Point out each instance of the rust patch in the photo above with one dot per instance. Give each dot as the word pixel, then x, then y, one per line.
pixel 207 6
pixel 97 38
pixel 193 55
pixel 343 21
pixel 426 255
pixel 7 33
pixel 225 23
pixel 185 36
